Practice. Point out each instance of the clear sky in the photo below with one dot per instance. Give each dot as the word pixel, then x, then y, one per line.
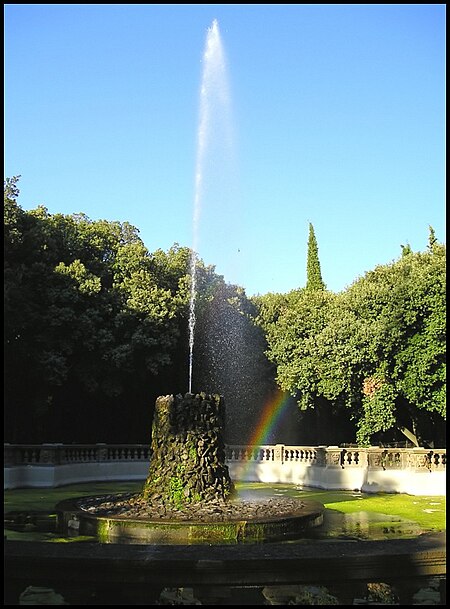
pixel 338 120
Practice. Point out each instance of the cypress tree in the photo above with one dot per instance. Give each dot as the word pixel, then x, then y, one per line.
pixel 432 240
pixel 314 279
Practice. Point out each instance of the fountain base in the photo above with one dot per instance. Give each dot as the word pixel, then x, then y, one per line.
pixel 125 519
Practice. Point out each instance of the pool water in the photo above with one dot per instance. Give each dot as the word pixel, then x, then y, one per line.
pixel 29 514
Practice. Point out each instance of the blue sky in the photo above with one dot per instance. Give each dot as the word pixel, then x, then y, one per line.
pixel 338 120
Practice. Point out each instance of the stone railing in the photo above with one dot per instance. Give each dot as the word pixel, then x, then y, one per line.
pixel 52 465
pixel 63 454
pixel 419 459
pixel 417 471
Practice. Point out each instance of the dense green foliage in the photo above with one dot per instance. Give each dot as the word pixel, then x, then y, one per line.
pixel 96 327
pixel 314 279
pixel 91 317
pixel 375 352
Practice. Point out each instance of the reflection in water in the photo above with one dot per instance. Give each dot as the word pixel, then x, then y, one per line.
pixel 365 526
pixel 359 525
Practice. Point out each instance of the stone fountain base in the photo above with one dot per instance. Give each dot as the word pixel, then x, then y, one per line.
pixel 127 519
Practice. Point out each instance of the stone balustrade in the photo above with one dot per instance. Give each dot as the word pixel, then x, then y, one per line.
pixel 51 465
pixel 333 456
pixel 60 454
pixel 417 471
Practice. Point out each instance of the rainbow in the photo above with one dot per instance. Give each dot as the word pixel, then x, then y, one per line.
pixel 272 413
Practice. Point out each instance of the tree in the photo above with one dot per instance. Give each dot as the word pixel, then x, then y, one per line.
pixel 313 274
pixel 405 381
pixel 376 349
pixel 301 343
pixel 91 321
pixel 96 328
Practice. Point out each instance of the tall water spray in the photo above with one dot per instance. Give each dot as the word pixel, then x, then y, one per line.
pixel 214 108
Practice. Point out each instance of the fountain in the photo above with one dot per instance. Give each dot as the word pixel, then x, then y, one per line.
pixel 188 497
